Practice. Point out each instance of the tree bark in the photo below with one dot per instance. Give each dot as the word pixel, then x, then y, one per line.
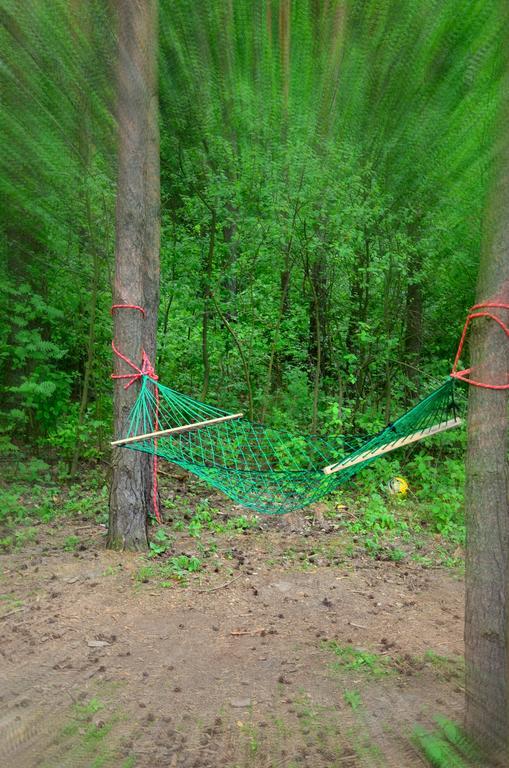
pixel 136 254
pixel 487 494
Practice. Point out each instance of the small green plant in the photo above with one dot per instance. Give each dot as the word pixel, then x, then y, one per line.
pixel 180 566
pixel 446 667
pixel 253 740
pixel 71 543
pixel 160 543
pixel 356 659
pixel 7 543
pixel 206 550
pixel 129 762
pixel 84 738
pixel 145 573
pixel 33 470
pixel 112 570
pixel 240 523
pixel 86 501
pixel 176 568
pixel 352 698
pixel 90 708
pixel 10 603
pixel 18 539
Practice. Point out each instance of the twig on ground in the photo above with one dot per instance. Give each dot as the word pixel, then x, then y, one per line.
pixel 221 586
pixel 242 632
pixel 17 610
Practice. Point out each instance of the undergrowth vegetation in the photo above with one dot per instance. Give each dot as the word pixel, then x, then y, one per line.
pixel 423 525
pixel 446 746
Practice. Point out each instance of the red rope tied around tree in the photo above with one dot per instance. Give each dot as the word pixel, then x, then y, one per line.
pixel 147 369
pixel 473 315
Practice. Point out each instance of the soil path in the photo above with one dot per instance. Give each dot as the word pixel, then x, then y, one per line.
pixel 267 665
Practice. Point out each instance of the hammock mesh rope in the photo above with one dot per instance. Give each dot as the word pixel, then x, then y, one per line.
pixel 270 470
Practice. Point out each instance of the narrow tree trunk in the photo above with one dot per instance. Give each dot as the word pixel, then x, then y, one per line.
pixel 284 55
pixel 136 255
pixel 487 498
pixel 244 360
pixel 206 280
pixel 89 362
pixel 318 358
pixel 276 360
pixel 285 277
pixel 414 330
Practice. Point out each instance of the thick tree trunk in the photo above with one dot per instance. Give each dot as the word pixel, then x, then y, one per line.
pixel 487 494
pixel 137 254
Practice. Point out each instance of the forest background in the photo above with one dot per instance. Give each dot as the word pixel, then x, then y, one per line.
pixel 325 168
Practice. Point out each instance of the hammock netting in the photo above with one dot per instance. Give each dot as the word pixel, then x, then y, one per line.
pixel 270 470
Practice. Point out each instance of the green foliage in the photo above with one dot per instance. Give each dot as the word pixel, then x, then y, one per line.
pixel 337 188
pixel 18 538
pixel 160 542
pixel 175 568
pixel 71 543
pixel 331 204
pixel 353 699
pixel 90 708
pixel 440 490
pixel 387 524
pixel 209 519
pixel 40 499
pixel 447 668
pixel 446 746
pixel 358 660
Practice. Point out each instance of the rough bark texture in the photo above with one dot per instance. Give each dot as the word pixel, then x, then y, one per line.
pixel 487 489
pixel 136 254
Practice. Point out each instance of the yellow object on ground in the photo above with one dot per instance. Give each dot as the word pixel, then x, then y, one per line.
pixel 398 486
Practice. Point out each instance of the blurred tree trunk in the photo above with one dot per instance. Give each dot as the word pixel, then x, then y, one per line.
pixel 137 253
pixel 487 494
pixel 414 328
pixel 88 247
pixel 414 312
pixel 89 363
pixel 276 360
pixel 206 277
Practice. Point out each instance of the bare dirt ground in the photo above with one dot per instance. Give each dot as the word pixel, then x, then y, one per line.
pixel 286 653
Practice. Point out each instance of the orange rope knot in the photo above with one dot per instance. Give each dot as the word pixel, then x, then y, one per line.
pixel 474 313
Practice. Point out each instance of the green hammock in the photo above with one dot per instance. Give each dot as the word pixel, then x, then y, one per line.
pixel 268 470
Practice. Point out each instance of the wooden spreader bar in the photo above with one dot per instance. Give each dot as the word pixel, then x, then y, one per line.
pixel 399 443
pixel 177 430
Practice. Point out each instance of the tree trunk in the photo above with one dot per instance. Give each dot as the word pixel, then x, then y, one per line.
pixel 414 329
pixel 318 356
pixel 88 363
pixel 206 283
pixel 136 254
pixel 487 497
pixel 284 55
